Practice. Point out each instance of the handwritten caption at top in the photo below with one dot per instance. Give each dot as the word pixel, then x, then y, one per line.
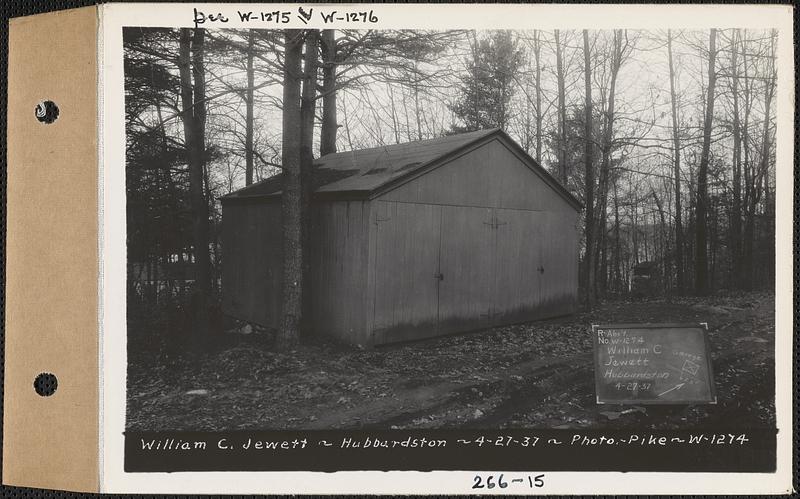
pixel 281 17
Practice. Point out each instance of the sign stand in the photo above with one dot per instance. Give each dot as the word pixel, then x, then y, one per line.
pixel 653 364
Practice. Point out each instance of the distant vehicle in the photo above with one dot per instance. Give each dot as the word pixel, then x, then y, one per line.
pixel 646 279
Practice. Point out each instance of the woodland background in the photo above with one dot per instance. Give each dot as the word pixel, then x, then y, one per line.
pixel 668 138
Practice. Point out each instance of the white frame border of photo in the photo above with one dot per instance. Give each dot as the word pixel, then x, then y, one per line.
pixel 112 318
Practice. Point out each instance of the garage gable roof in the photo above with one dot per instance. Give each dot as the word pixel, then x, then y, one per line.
pixel 364 172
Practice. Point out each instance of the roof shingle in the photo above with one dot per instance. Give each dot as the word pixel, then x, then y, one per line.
pixel 362 172
pixel 365 170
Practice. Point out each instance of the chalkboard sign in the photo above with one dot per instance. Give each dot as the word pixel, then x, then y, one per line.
pixel 652 364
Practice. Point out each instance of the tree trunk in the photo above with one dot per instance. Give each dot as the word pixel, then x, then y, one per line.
pixel 608 136
pixel 407 117
pixel 688 261
pixel 395 121
pixel 418 109
pixel 601 270
pixel 527 125
pixel 701 217
pixel 676 148
pixel 635 232
pixel 712 243
pixel 736 207
pixel 617 245
pixel 200 198
pixel 562 112
pixel 327 142
pixel 291 202
pixel 769 193
pixel 589 259
pixel 747 172
pixel 664 247
pixel 537 52
pixel 475 123
pixel 248 132
pixel 763 168
pixel 307 110
pixel 192 78
pixel 347 125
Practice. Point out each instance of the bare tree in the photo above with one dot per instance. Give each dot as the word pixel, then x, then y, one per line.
pixel 193 100
pixel 562 109
pixel 759 178
pixel 676 153
pixel 589 260
pixel 736 207
pixel 701 204
pixel 248 144
pixel 537 56
pixel 618 53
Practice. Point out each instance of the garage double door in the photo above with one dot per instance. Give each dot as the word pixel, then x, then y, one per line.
pixel 442 269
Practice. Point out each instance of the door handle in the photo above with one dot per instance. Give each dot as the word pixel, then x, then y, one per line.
pixel 438 276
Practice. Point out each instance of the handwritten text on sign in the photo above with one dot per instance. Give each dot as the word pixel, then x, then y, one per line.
pixel 653 363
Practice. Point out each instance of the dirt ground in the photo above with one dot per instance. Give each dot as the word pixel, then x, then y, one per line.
pixel 534 375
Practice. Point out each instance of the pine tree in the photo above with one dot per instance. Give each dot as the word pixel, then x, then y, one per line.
pixel 487 88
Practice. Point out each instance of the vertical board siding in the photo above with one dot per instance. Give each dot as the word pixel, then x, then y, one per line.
pixel 499 224
pixel 406 262
pixel 504 242
pixel 339 269
pixel 537 265
pixel 497 266
pixel 252 266
pixel 489 176
pixel 517 256
pixel 467 287
pixel 560 275
pixel 252 256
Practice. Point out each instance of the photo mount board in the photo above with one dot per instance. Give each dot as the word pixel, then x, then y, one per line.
pixel 52 266
pixel 628 357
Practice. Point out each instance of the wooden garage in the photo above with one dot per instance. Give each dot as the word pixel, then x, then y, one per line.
pixel 413 240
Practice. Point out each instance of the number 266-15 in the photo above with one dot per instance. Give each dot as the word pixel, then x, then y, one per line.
pixel 492 481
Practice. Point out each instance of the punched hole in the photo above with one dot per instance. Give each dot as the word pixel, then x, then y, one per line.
pixel 46 112
pixel 45 384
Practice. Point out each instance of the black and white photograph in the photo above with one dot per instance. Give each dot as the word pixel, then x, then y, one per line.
pixel 400 249
pixel 452 229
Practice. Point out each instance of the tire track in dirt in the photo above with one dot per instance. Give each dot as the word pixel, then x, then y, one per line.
pixel 519 391
pixel 435 399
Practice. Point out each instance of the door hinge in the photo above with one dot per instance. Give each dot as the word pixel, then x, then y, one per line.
pixel 489 314
pixel 494 222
